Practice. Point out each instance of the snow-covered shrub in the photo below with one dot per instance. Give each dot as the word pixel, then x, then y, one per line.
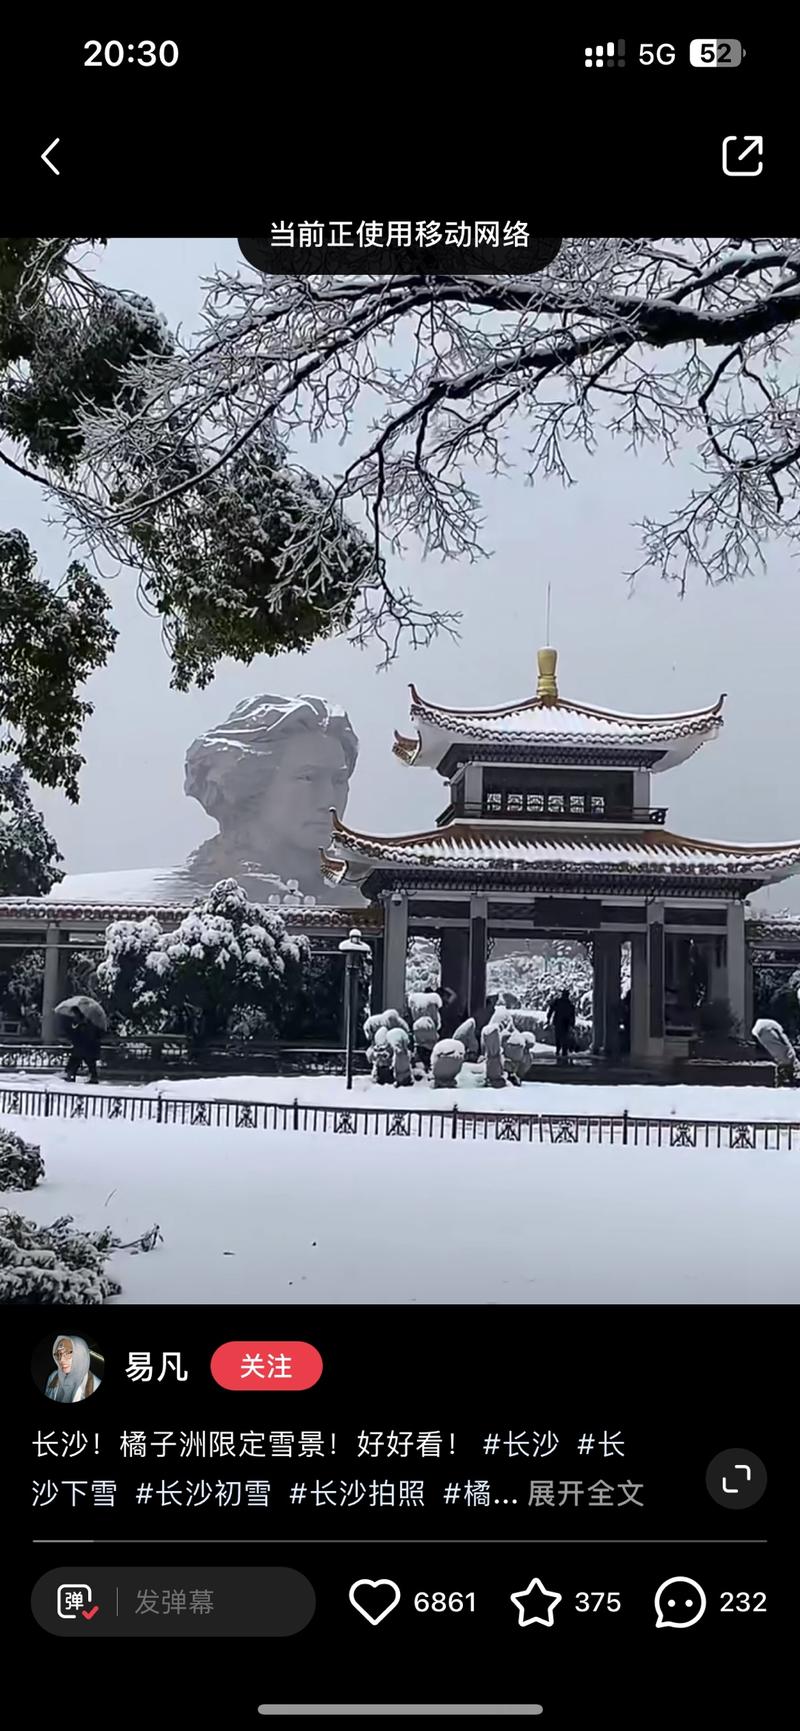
pixel 381 1056
pixel 716 1017
pixel 425 1004
pixel 531 1021
pixel 491 1047
pixel 467 1033
pixel 53 1264
pixel 773 1038
pixel 447 1059
pixel 230 966
pixel 426 1033
pixel 399 1044
pixel 517 1049
pixel 383 1019
pixel 21 1164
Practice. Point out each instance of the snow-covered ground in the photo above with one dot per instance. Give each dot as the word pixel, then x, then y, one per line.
pixel 249 1215
pixel 737 1105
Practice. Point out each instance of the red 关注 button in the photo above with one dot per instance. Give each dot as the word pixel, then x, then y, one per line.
pixel 266 1364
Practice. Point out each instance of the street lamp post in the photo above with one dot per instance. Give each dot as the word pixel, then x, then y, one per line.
pixel 352 947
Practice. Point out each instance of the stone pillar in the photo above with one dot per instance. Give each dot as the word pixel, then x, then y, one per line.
pixel 606 994
pixel 641 788
pixel 613 959
pixel 737 967
pixel 598 995
pixel 473 790
pixel 395 941
pixel 376 982
pixel 749 988
pixel 655 977
pixel 640 1001
pixel 55 980
pixel 478 920
pixel 717 971
pixel 455 965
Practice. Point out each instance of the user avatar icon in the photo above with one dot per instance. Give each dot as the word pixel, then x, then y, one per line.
pixel 680 1602
pixel 73 1378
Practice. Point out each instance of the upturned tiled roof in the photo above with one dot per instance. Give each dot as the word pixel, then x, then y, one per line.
pixel 549 722
pixel 602 850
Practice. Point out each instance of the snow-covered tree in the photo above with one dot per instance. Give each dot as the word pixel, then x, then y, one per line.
pixel 245 558
pixel 535 980
pixel 250 560
pixel 646 341
pixel 65 341
pixel 52 637
pixel 227 970
pixel 30 862
pixel 422 966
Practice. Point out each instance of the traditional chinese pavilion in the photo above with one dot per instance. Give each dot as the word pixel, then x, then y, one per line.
pixel 549 830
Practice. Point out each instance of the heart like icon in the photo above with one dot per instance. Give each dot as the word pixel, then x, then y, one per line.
pixel 367 1588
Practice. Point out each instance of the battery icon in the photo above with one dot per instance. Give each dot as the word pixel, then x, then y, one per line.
pixel 714 51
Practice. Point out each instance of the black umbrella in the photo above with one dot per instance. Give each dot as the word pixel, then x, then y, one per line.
pixel 88 1009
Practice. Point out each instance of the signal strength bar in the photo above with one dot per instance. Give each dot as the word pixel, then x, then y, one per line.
pixel 605 54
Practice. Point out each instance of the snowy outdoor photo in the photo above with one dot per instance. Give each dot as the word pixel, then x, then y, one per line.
pixel 399 816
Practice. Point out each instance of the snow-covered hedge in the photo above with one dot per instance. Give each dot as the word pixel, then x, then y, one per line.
pixel 21 1164
pixel 53 1264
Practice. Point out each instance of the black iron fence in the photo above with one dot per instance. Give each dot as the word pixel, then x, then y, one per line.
pixel 454 1123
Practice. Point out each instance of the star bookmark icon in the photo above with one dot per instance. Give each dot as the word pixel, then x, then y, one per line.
pixel 536 1604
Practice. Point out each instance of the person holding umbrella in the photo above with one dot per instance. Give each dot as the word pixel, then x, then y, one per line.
pixel 86 1024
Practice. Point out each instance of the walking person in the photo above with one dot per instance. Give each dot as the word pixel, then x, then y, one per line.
pixel 562 1016
pixel 86 1024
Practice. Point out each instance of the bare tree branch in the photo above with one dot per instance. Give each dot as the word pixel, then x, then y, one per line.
pixel 675 343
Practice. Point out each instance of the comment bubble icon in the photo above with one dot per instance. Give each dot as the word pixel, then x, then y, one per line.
pixel 680 1603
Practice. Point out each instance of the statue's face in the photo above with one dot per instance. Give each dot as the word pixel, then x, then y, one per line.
pixel 311 775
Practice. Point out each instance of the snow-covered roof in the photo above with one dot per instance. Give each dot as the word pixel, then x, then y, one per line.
pixel 548 721
pixel 100 912
pixel 144 885
pixel 601 850
pixel 773 929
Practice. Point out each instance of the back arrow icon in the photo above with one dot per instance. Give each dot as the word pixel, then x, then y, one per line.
pixel 46 156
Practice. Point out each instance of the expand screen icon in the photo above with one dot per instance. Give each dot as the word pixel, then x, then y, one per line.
pixel 736 1479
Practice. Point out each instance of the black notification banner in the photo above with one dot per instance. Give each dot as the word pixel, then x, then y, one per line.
pixel 411 247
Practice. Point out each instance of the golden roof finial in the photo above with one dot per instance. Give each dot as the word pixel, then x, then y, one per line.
pixel 547 688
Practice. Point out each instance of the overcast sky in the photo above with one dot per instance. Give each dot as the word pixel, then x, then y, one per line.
pixel 649 653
